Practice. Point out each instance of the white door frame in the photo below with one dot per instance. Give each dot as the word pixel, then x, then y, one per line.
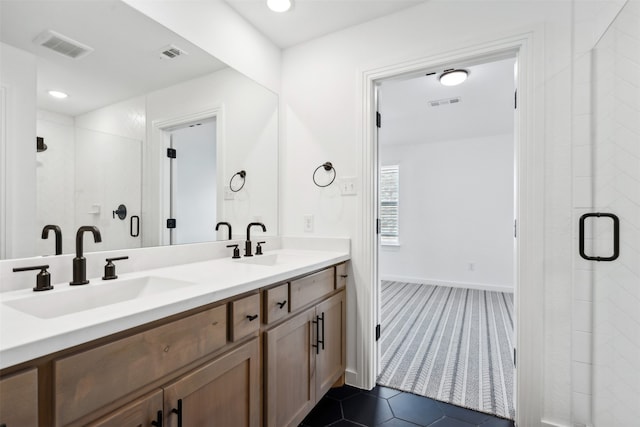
pixel 529 213
pixel 161 130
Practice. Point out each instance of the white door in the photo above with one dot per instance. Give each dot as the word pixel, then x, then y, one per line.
pixel 193 183
pixel 616 190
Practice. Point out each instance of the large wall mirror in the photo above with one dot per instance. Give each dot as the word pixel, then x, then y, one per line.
pixel 152 124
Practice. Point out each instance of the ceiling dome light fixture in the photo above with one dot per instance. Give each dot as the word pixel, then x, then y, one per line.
pixel 279 5
pixel 58 94
pixel 453 77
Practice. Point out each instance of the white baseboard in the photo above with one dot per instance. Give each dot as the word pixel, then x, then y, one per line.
pixel 477 286
pixel 351 378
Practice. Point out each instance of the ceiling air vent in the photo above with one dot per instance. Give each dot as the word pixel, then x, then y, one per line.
pixel 448 101
pixel 171 52
pixel 62 44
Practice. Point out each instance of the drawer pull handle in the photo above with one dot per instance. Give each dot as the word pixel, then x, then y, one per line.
pixel 178 412
pixel 344 276
pixel 252 318
pixel 282 304
pixel 158 421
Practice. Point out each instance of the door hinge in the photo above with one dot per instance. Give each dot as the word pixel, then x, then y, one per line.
pixel 514 357
pixel 377 332
pixel 377 225
pixel 171 223
pixel 515 99
pixel 171 153
pixel 378 119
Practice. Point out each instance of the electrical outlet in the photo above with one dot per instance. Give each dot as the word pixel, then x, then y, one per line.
pixel 348 186
pixel 308 223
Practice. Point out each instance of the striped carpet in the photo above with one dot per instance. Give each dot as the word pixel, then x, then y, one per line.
pixel 450 344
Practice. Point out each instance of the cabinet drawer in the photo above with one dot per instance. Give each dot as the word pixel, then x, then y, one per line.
pixel 311 287
pixel 276 303
pixel 244 315
pixel 86 381
pixel 341 275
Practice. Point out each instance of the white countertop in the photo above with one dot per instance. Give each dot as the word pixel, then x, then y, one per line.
pixel 24 336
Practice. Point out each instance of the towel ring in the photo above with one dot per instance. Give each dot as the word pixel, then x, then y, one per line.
pixel 242 174
pixel 328 167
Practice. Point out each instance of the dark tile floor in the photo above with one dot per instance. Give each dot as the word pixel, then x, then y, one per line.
pixel 384 407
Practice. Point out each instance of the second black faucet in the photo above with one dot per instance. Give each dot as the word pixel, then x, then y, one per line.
pixel 247 244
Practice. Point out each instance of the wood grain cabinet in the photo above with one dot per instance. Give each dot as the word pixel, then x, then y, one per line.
pixel 19 399
pixel 222 393
pixel 304 357
pixel 146 411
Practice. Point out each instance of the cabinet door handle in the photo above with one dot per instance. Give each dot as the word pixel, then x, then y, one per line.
pixel 252 318
pixel 282 304
pixel 321 318
pixel 158 421
pixel 317 344
pixel 178 412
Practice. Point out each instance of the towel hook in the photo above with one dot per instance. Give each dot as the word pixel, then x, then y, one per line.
pixel 327 166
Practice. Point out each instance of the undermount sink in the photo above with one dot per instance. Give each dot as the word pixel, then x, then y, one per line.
pixel 271 259
pixel 47 305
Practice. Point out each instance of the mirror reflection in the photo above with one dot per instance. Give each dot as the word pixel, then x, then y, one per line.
pixel 146 141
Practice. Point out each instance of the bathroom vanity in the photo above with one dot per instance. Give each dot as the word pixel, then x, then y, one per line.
pixel 250 342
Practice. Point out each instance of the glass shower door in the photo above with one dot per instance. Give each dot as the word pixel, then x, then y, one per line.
pixel 616 190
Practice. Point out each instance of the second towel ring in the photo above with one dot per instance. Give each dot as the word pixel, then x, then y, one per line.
pixel 328 167
pixel 242 174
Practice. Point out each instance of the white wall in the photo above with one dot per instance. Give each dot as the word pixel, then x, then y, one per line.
pixel 320 107
pixel 18 135
pixel 456 208
pixel 215 27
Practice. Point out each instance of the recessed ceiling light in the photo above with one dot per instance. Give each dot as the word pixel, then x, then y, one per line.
pixel 58 94
pixel 453 77
pixel 279 5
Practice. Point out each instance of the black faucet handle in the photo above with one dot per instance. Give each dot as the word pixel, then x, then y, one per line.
pixel 236 251
pixel 259 248
pixel 110 268
pixel 43 279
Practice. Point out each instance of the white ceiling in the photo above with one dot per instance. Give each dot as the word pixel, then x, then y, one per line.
pixel 126 60
pixel 486 107
pixel 309 19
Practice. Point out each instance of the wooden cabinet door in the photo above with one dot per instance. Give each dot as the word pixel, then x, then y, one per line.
pixel 141 412
pixel 224 392
pixel 19 399
pixel 290 371
pixel 330 360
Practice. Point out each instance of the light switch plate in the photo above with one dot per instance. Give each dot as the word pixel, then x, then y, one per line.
pixel 348 186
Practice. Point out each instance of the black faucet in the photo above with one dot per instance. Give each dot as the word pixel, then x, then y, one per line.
pixel 247 244
pixel 55 229
pixel 79 262
pixel 227 224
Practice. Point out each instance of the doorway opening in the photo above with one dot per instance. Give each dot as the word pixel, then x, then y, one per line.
pixel 446 253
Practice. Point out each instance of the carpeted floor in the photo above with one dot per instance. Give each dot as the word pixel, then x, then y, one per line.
pixel 450 344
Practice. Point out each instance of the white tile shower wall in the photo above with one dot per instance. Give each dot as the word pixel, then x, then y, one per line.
pixel 616 302
pixel 55 181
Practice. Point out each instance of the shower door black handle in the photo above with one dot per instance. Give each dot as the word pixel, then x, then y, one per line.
pixel 135 233
pixel 616 236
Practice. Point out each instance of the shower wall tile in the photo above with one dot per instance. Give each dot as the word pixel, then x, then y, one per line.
pixel 581 347
pixel 582 311
pixel 581 377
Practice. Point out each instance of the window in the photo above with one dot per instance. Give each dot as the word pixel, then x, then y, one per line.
pixel 389 214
